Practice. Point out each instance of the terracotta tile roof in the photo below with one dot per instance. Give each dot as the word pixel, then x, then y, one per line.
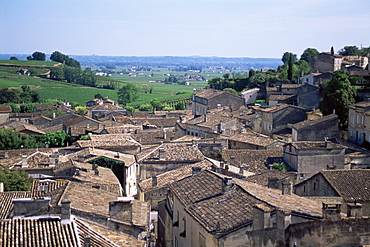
pixel 37 160
pixel 253 138
pixel 163 122
pixel 291 85
pixel 351 185
pixel 262 179
pixel 315 145
pixel 39 188
pixel 164 179
pixel 45 107
pixel 310 122
pixel 37 232
pixel 106 180
pixel 209 93
pixel 29 128
pixel 100 236
pixel 281 97
pixel 106 107
pixel 222 212
pixel 12 124
pixel 108 140
pixel 174 152
pixel 79 119
pixel 155 137
pixel 5 109
pixel 92 200
pixel 254 161
pixel 275 198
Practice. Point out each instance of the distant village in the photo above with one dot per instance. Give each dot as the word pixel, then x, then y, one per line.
pixel 224 172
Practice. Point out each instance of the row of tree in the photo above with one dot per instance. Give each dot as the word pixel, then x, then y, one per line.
pixel 10 139
pixel 73 75
pixel 55 56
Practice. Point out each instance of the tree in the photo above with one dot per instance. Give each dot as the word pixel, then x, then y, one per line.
pixel 349 51
pixel 38 56
pixel 61 58
pixel 57 139
pixel 337 95
pixel 303 67
pixel 98 96
pixel 13 58
pixel 307 54
pixel 130 110
pixel 17 180
pixel 290 66
pixel 157 105
pixel 10 139
pixel 81 110
pixel 127 94
pixel 287 56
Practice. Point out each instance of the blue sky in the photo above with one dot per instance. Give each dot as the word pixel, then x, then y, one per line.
pixel 224 28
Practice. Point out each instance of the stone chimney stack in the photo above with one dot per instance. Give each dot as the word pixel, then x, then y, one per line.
pixel 154 181
pixel 162 154
pixel 241 169
pixel 24 161
pixel 226 173
pixel 164 134
pixel 66 211
pixel 227 184
pixel 286 188
pixel 53 160
pixel 196 170
pixel 1 187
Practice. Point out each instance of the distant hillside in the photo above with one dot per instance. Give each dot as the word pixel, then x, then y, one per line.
pixel 165 61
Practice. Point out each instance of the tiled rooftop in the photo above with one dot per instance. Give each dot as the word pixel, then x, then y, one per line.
pixel 37 232
pixel 316 145
pixel 108 140
pixel 155 137
pixel 106 107
pixel 351 185
pixel 201 195
pixel 209 93
pixel 169 177
pixel 307 123
pixel 253 138
pixel 174 152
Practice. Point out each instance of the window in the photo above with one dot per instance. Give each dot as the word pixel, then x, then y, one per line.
pixel 183 233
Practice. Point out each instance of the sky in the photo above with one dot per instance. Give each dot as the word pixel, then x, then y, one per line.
pixel 222 28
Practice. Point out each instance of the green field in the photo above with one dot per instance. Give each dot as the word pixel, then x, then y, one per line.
pixel 78 94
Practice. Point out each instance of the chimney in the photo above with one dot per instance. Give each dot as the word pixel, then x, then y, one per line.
pixel 286 189
pixel 24 161
pixel 162 154
pixel 66 211
pixel 53 160
pixel 164 134
pixel 283 219
pixel 222 164
pixel 227 184
pixel 87 241
pixel 261 217
pixel 241 169
pixel 154 181
pixel 1 187
pixel 53 115
pixel 196 170
pixel 24 206
pixel 354 210
pixel 226 172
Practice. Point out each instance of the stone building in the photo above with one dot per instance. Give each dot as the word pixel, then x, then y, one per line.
pixel 212 99
pixel 325 62
pixel 359 122
pixel 210 209
pixel 309 157
pixel 316 130
pixel 343 187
